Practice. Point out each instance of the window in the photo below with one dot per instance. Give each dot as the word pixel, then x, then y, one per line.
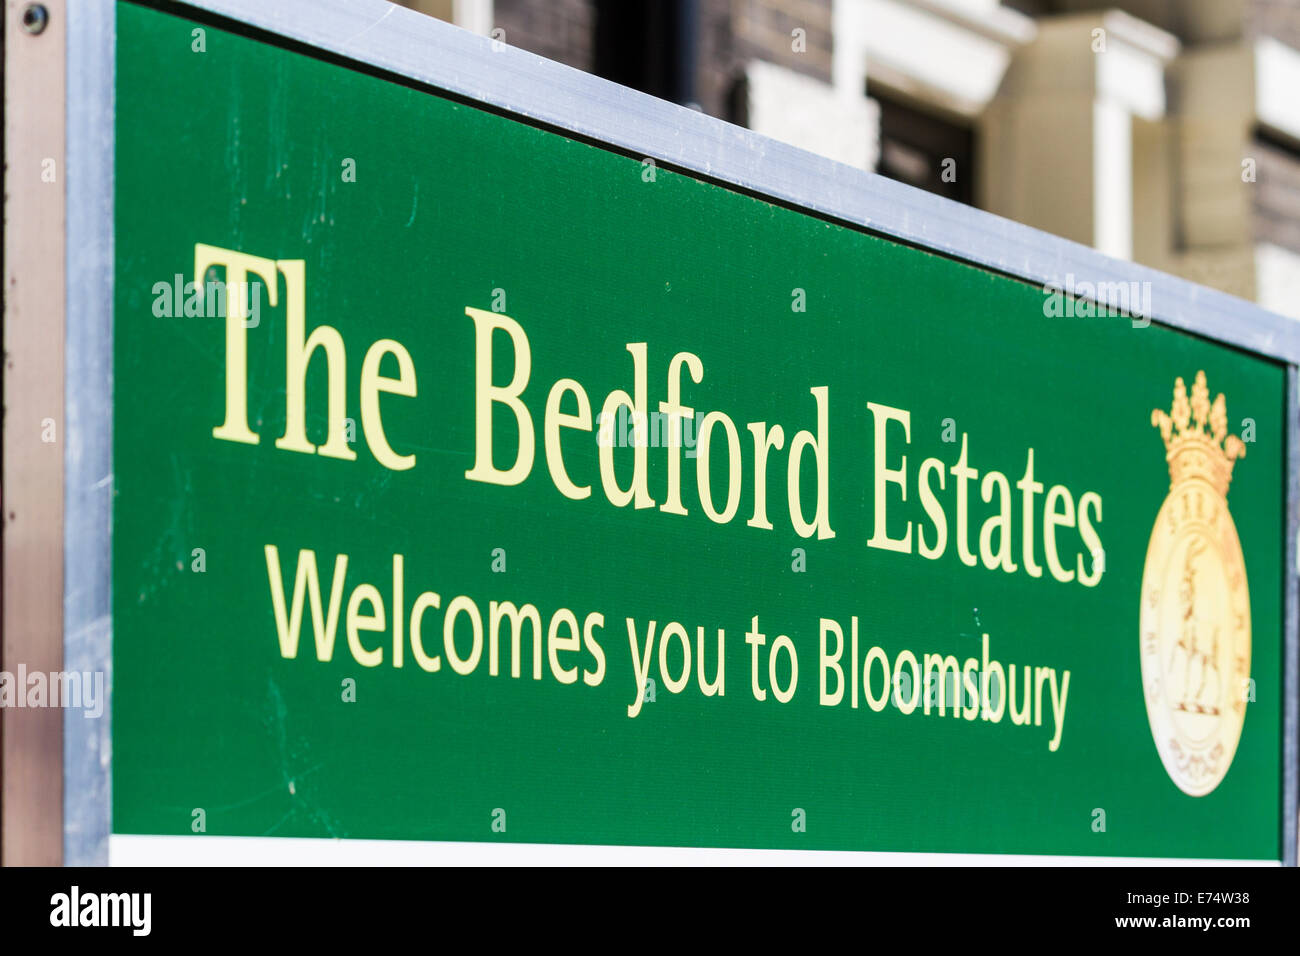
pixel 925 151
pixel 648 45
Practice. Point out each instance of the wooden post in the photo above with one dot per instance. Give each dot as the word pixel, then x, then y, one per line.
pixel 31 739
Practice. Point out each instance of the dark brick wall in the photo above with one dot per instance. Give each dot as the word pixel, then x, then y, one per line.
pixel 764 28
pixel 1277 195
pixel 561 30
pixel 717 61
pixel 732 32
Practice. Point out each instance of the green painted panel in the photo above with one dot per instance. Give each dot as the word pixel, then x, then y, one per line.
pixel 405 210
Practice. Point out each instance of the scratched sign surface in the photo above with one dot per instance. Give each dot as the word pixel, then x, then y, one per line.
pixel 473 483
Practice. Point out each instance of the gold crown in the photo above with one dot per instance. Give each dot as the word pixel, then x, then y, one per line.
pixel 1197 443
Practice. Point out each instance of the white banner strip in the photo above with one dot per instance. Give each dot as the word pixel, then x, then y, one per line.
pixel 140 850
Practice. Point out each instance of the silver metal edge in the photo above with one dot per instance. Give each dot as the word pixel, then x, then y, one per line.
pixel 1291 634
pixel 440 55
pixel 88 433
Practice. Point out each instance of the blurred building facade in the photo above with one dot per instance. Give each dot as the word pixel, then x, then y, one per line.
pixel 1162 131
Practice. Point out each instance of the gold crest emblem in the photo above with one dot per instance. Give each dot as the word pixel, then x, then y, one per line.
pixel 1195 616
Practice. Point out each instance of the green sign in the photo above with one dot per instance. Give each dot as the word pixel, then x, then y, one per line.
pixel 478 484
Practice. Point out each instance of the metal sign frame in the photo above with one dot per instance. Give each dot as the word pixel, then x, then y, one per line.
pixel 396 43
